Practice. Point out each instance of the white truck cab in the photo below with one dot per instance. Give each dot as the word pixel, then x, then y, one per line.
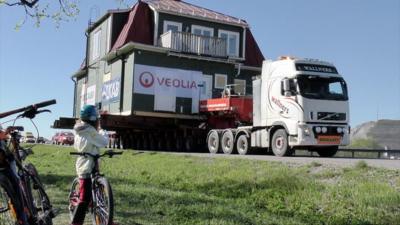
pixel 300 103
pixel 296 104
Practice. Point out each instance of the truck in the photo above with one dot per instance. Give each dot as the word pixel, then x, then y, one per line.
pixel 296 104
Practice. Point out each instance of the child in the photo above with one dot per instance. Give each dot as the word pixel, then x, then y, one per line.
pixel 87 139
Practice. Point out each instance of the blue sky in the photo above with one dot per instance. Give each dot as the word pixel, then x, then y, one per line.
pixel 362 38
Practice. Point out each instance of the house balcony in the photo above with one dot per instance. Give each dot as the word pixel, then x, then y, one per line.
pixel 194 44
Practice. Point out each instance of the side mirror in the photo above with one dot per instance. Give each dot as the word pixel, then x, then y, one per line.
pixel 286 87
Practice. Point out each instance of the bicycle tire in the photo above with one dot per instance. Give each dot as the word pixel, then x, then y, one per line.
pixel 73 197
pixel 9 202
pixel 103 202
pixel 40 200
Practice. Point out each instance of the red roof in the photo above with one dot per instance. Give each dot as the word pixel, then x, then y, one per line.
pixel 184 8
pixel 138 28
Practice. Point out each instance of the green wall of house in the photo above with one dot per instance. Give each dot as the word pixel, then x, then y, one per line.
pixel 142 102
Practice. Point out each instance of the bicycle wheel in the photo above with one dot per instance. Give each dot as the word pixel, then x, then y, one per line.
pixel 73 197
pixel 8 203
pixel 103 204
pixel 40 200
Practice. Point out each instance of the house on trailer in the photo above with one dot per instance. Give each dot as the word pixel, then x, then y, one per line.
pixel 148 67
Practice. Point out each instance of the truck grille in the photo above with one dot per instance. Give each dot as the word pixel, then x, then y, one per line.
pixel 331 116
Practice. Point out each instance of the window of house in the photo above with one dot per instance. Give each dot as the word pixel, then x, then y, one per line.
pixel 240 87
pixel 96 45
pixel 204 31
pixel 220 81
pixel 232 40
pixel 173 26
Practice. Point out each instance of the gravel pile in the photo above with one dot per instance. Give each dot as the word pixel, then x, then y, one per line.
pixel 384 132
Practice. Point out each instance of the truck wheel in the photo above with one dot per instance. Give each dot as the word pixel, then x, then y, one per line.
pixel 228 142
pixel 213 142
pixel 327 151
pixel 280 146
pixel 242 144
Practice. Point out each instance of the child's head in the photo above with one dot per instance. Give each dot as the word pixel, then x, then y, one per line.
pixel 89 115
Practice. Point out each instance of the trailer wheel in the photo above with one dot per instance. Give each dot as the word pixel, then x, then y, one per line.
pixel 242 144
pixel 189 144
pixel 179 144
pixel 327 151
pixel 280 146
pixel 228 142
pixel 213 142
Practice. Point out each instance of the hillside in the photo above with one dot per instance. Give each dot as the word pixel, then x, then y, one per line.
pixel 383 132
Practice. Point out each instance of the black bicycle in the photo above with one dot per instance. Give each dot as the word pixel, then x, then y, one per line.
pixel 102 205
pixel 22 193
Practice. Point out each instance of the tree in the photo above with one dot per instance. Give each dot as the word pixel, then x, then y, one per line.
pixel 60 10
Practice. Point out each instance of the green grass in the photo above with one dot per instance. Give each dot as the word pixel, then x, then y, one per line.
pixel 156 188
pixel 365 143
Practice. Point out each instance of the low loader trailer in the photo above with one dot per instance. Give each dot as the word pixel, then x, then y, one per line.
pixel 295 104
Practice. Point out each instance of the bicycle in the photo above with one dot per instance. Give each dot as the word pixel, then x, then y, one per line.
pixel 102 203
pixel 25 193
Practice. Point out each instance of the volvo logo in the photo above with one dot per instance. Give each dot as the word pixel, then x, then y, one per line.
pixel 146 79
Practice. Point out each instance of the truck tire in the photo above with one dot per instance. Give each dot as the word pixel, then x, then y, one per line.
pixel 228 142
pixel 280 146
pixel 242 144
pixel 327 151
pixel 213 142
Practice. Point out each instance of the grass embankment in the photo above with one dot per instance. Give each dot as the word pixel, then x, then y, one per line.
pixel 168 189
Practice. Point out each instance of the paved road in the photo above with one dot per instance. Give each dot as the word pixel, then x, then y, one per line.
pixel 301 160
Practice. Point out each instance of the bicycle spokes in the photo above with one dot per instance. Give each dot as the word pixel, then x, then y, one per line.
pixel 101 209
pixel 8 214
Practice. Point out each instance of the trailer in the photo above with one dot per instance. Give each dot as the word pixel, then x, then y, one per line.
pixel 296 104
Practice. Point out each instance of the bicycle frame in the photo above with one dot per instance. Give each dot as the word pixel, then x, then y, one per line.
pixel 27 174
pixel 24 176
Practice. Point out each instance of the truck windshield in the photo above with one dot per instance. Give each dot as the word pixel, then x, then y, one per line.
pixel 327 88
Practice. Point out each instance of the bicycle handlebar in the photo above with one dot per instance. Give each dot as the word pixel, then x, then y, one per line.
pixel 33 107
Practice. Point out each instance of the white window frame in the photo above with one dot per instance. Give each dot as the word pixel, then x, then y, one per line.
pixel 168 22
pixel 238 82
pixel 109 24
pixel 228 43
pixel 206 95
pixel 216 86
pixel 202 28
pixel 96 47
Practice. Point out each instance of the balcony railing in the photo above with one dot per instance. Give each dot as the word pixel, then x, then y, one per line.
pixel 194 44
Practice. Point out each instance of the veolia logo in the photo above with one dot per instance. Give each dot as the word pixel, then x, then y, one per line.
pixel 146 79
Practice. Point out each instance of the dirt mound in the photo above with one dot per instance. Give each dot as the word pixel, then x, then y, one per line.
pixel 384 132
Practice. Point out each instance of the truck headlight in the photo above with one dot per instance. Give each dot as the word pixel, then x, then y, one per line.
pixel 318 129
pixel 324 130
pixel 339 130
pixel 306 129
pixel 346 130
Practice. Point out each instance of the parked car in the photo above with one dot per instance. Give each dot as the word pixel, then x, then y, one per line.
pixel 28 138
pixel 63 138
pixel 41 140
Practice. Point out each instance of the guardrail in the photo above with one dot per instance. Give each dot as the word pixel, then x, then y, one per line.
pixel 380 152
